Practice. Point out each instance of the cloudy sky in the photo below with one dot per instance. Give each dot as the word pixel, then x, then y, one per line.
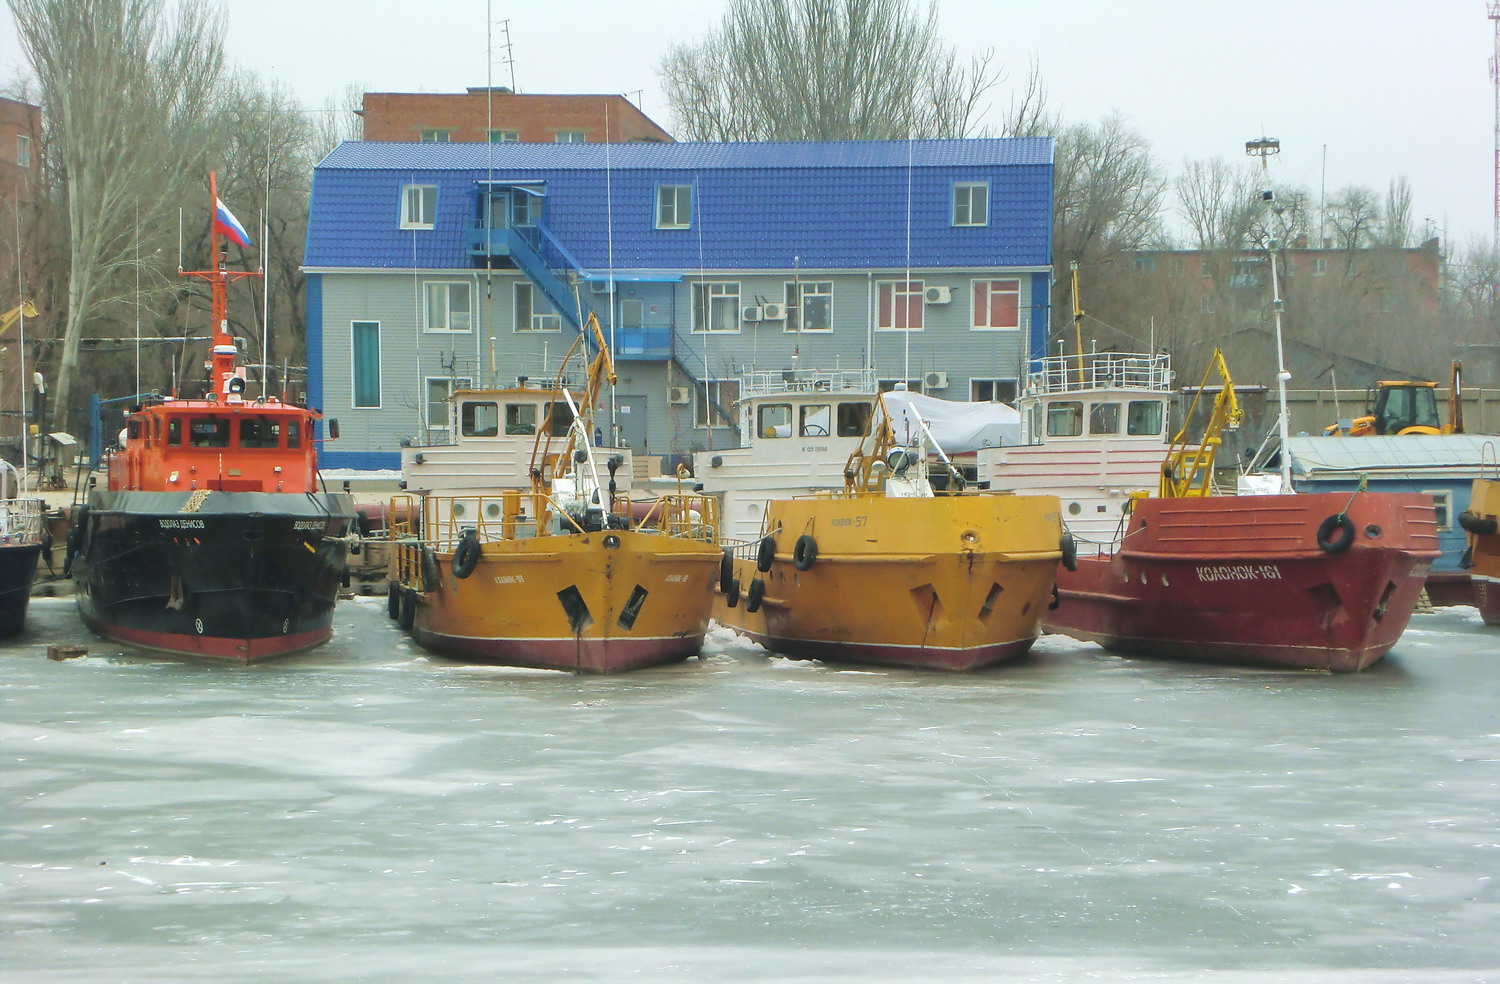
pixel 1358 91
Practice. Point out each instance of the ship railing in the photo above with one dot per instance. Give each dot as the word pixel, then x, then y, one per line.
pixel 21 521
pixel 778 382
pixel 1100 370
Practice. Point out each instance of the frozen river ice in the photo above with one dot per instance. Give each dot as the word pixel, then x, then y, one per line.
pixel 365 813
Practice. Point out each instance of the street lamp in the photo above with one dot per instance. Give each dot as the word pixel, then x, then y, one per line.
pixel 1262 147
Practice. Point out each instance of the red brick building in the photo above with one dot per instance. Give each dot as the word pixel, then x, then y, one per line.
pixel 20 186
pixel 502 116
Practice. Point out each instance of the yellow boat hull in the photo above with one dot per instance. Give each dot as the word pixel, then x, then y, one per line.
pixel 604 602
pixel 950 583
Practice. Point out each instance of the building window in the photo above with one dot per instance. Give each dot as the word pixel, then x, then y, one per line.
pixel 632 312
pixel 504 136
pixel 900 305
pixel 809 305
pixel 716 307
pixel 1143 418
pixel 1442 502
pixel 997 305
pixel 1207 305
pixel 418 206
pixel 674 206
pixel 1145 264
pixel 447 306
pixel 992 391
pixel 525 208
pixel 724 392
pixel 971 203
pixel 1320 267
pixel 1065 419
pixel 440 390
pixel 533 311
pixel 569 136
pixel 366 363
pixel 436 136
pixel 1177 267
pixel 1204 270
pixel 23 150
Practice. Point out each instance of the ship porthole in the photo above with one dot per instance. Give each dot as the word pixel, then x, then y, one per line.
pixel 492 510
pixel 458 509
pixel 1074 509
pixel 198 624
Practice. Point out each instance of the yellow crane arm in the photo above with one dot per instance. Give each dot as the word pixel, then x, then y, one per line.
pixel 1188 469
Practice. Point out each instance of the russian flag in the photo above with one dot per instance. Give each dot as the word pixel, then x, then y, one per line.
pixel 226 223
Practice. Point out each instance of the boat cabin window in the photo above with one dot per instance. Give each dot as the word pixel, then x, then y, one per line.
pixel 156 428
pixel 1144 418
pixel 775 420
pixel 133 429
pixel 209 432
pixel 1065 419
pixel 259 432
pixel 854 419
pixel 814 420
pixel 479 419
pixel 294 433
pixel 559 419
pixel 1104 418
pixel 520 418
pixel 174 432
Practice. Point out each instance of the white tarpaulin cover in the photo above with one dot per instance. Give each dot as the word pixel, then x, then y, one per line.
pixel 957 427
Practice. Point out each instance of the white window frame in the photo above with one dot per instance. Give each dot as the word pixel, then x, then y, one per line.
pixel 1442 502
pixel 416 195
pixel 716 393
pixel 567 135
pixel 379 368
pixel 454 384
pixel 436 135
pixel 503 136
pixel 994 384
pixel 549 323
pixel 23 150
pixel 797 292
pixel 428 289
pixel 975 313
pixel 1320 266
pixel 682 202
pixel 963 204
pixel 714 290
pixel 914 288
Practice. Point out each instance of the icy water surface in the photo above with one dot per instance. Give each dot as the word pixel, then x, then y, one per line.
pixel 364 813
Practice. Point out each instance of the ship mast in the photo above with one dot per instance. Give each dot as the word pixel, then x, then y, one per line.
pixel 223 349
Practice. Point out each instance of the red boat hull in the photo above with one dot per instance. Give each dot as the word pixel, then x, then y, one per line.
pixel 1244 579
pixel 1487 595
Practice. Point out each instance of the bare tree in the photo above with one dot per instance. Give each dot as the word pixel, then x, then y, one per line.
pixel 824 70
pixel 1107 193
pixel 1395 227
pixel 1218 202
pixel 1354 215
pixel 129 89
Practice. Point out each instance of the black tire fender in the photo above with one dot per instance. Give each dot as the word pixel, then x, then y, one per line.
pixel 1331 543
pixel 362 522
pixel 755 595
pixel 76 535
pixel 732 596
pixel 765 554
pixel 393 600
pixel 726 570
pixel 1478 525
pixel 805 553
pixel 432 575
pixel 1069 547
pixel 466 556
pixel 408 614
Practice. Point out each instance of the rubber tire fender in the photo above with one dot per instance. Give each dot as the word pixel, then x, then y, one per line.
pixel 362 522
pixel 1337 544
pixel 466 555
pixel 755 595
pixel 805 553
pixel 76 534
pixel 1478 525
pixel 393 600
pixel 1069 548
pixel 732 596
pixel 432 574
pixel 408 614
pixel 765 554
pixel 726 570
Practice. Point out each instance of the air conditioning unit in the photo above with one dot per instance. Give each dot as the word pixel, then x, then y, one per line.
pixel 751 313
pixel 680 396
pixel 773 312
pixel 939 295
pixel 935 381
pixel 600 286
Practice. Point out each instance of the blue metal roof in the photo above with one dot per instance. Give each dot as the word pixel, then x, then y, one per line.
pixel 758 205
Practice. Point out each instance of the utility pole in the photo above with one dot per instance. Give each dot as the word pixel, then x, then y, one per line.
pixel 1494 14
